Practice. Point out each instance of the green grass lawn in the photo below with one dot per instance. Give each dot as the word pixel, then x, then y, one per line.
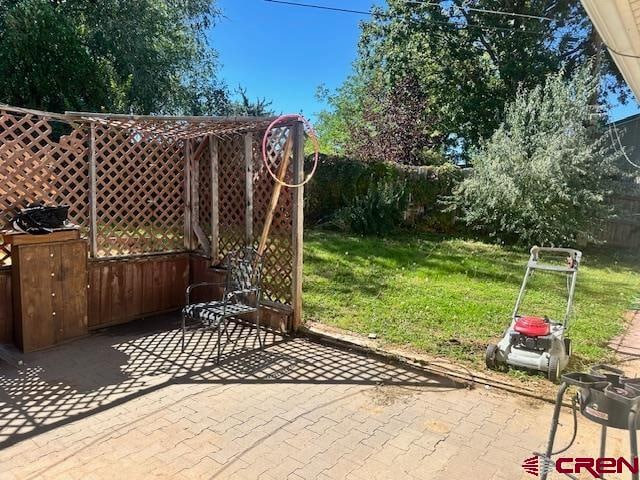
pixel 451 297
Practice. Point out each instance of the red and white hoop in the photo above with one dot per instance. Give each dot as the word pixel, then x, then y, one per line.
pixel 314 140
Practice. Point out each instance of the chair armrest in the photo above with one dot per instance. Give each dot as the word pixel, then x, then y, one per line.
pixel 193 286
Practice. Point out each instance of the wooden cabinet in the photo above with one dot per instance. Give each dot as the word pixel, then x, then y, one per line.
pixel 49 292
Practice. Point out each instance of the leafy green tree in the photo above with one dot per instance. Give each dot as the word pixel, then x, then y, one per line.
pixel 43 61
pixel 467 61
pixel 544 175
pixel 142 56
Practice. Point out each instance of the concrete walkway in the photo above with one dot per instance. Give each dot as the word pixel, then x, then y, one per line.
pixel 128 404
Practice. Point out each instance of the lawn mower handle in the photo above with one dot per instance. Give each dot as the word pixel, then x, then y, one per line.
pixel 572 252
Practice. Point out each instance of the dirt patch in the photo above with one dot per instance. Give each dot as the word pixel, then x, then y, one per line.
pixel 387 395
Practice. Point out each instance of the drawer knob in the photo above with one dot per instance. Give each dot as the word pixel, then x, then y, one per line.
pixel 53 313
pixel 53 294
pixel 53 274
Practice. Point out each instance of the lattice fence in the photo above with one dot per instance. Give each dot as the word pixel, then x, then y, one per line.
pixel 231 194
pixel 140 193
pixel 278 256
pixel 140 187
pixel 34 166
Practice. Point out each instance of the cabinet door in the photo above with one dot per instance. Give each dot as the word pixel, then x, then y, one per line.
pixel 73 287
pixel 38 267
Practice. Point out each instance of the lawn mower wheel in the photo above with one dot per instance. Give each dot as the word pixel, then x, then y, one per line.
pixel 490 356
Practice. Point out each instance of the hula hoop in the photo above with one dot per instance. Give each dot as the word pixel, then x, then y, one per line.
pixel 312 136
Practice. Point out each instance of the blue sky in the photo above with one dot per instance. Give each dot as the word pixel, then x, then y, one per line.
pixel 284 52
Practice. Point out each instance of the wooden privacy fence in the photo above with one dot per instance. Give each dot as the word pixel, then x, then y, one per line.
pixel 623 230
pixel 140 186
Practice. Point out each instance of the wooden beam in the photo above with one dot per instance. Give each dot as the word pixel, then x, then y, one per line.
pixel 215 212
pixel 93 208
pixel 187 194
pixel 275 196
pixel 125 116
pixel 297 228
pixel 196 230
pixel 248 189
pixel 200 237
pixel 200 149
pixel 39 113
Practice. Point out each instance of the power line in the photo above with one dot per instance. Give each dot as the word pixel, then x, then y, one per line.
pixel 320 7
pixel 612 125
pixel 416 2
pixel 621 54
pixel 481 27
pixel 484 10
pixel 513 14
pixel 435 22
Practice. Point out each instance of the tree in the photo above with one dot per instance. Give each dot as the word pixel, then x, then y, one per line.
pixel 261 107
pixel 143 56
pixel 544 175
pixel 388 124
pixel 467 61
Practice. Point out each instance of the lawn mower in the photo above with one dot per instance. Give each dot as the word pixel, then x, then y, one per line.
pixel 538 343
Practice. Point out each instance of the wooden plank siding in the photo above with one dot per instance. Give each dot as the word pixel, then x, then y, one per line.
pixel 125 289
pixel 122 290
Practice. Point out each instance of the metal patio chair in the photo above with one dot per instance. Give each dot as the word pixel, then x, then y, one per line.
pixel 242 290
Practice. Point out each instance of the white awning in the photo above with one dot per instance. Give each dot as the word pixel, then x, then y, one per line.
pixel 618 23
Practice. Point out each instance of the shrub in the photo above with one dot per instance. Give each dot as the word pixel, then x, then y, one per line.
pixel 545 173
pixel 378 212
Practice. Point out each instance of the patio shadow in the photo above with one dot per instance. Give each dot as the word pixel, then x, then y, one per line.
pixel 107 369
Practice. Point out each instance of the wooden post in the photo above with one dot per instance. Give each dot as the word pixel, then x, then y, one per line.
pixel 297 227
pixel 275 196
pixel 93 209
pixel 187 194
pixel 196 231
pixel 248 189
pixel 215 213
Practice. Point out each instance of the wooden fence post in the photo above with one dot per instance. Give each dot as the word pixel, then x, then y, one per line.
pixel 187 194
pixel 93 209
pixel 297 228
pixel 215 212
pixel 196 232
pixel 248 188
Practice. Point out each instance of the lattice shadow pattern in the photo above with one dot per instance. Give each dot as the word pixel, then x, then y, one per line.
pixel 102 371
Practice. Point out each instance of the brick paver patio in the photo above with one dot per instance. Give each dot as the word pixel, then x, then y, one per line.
pixel 126 403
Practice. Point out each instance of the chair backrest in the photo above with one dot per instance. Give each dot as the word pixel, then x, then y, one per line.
pixel 244 269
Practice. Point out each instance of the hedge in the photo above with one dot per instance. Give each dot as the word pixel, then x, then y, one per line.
pixel 339 182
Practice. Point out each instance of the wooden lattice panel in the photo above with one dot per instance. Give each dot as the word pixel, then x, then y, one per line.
pixel 139 180
pixel 204 190
pixel 231 194
pixel 139 197
pixel 278 256
pixel 36 167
